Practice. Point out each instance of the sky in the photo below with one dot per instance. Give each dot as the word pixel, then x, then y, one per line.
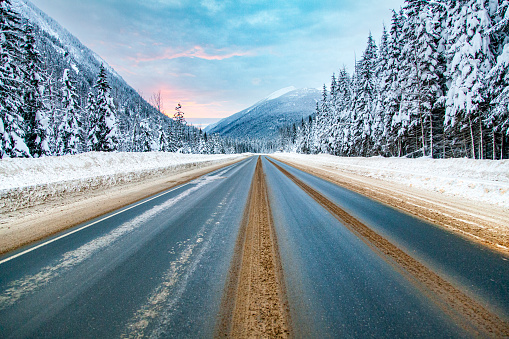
pixel 218 57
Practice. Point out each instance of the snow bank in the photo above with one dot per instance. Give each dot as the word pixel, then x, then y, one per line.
pixel 28 182
pixel 477 180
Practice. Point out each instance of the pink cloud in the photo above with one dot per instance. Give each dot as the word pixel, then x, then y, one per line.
pixel 171 96
pixel 195 52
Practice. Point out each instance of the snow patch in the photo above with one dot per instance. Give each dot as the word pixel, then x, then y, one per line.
pixel 28 182
pixel 481 181
pixel 75 68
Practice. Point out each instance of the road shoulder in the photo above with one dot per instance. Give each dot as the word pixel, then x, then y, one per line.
pixel 28 225
pixel 482 223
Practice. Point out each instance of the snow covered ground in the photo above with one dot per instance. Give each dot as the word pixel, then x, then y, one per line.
pixel 483 181
pixel 28 182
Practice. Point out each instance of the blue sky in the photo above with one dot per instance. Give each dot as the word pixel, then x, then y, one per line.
pixel 219 57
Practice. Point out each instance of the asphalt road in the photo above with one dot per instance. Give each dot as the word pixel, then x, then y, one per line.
pixel 159 267
pixel 156 268
pixel 339 286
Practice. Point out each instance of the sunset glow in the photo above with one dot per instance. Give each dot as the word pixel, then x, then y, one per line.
pixel 195 52
pixel 220 57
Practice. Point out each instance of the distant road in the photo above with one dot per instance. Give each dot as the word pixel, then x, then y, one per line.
pixel 228 253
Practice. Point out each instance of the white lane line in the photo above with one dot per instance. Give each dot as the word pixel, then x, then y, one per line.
pixel 20 287
pixel 224 170
pixel 87 225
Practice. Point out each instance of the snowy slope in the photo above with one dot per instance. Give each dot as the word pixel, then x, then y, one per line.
pixel 279 93
pixel 27 182
pixel 263 120
pixel 63 41
pixel 60 50
pixel 483 181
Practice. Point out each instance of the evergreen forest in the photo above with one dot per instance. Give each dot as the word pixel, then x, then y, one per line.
pixel 436 85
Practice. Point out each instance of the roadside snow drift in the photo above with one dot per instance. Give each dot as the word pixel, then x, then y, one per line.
pixel 29 182
pixel 483 181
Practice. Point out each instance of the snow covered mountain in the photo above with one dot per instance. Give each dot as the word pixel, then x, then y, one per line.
pixel 54 36
pixel 263 120
pixel 140 126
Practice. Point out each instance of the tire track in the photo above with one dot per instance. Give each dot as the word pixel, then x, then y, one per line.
pixel 254 303
pixel 466 312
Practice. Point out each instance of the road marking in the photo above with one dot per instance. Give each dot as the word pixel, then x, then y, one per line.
pixel 466 312
pixel 17 255
pixel 87 225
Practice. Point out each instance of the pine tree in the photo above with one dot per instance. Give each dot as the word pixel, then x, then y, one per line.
pixel 37 127
pixel 498 117
pixel 180 125
pixel 470 61
pixel 12 124
pixel 91 124
pixel 333 127
pixel 342 105
pixel 145 137
pixel 393 121
pixel 364 99
pixel 409 75
pixel 321 127
pixel 383 73
pixel 163 139
pixel 498 87
pixel 421 71
pixel 103 135
pixel 70 131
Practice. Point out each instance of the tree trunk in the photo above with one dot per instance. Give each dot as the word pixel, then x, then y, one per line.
pixel 481 143
pixel 444 140
pixel 431 134
pixel 471 137
pixel 494 143
pixel 422 134
pixel 502 147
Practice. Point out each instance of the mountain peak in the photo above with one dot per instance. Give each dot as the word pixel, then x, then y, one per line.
pixel 280 92
pixel 264 119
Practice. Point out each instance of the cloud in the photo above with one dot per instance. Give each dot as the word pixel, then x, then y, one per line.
pixel 161 4
pixel 263 18
pixel 223 51
pixel 198 52
pixel 213 6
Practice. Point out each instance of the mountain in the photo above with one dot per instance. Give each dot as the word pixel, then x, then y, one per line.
pixel 140 126
pixel 56 41
pixel 263 119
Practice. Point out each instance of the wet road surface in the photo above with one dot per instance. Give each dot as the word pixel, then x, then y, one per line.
pixel 340 285
pixel 159 267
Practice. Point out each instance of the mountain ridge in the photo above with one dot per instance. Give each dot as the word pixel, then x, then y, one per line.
pixel 139 124
pixel 263 119
pixel 54 29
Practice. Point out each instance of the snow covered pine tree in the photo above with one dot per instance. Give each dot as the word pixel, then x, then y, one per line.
pixel 34 112
pixel 12 131
pixel 70 132
pixel 103 134
pixel 180 124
